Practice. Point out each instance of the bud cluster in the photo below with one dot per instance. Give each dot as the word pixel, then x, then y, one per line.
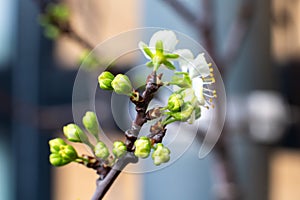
pixel 143 146
pixel 61 153
pixel 120 84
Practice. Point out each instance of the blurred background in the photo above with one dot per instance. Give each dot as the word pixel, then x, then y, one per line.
pixel 255 44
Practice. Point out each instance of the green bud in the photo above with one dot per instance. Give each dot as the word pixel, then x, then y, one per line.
pixel 59 12
pixel 57 160
pixel 68 153
pixel 74 133
pixel 51 31
pixel 101 151
pixel 90 122
pixel 185 113
pixel 55 144
pixel 142 147
pixel 161 154
pixel 122 85
pixel 175 102
pixel 119 149
pixel 65 155
pixel 105 80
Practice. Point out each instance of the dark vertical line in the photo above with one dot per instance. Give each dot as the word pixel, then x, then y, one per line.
pixel 25 103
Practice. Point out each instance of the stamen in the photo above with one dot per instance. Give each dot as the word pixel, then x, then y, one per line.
pixel 210 91
pixel 209 80
pixel 210 96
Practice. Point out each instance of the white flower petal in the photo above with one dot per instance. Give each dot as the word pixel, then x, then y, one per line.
pixel 167 37
pixel 198 89
pixel 186 57
pixel 200 67
pixel 185 53
pixel 189 95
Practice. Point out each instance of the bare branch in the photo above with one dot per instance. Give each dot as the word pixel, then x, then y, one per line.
pixel 141 105
pixel 238 32
pixel 70 32
pixel 183 11
pixel 207 28
pixel 103 185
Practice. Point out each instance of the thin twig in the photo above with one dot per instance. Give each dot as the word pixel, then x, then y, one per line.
pixel 184 12
pixel 207 29
pixel 70 32
pixel 66 27
pixel 104 185
pixel 238 33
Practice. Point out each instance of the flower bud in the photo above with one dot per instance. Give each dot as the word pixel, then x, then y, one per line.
pixel 68 153
pixel 65 155
pixel 105 80
pixel 57 160
pixel 119 149
pixel 185 112
pixel 101 151
pixel 142 147
pixel 122 85
pixel 74 133
pixel 90 122
pixel 161 154
pixel 175 102
pixel 55 144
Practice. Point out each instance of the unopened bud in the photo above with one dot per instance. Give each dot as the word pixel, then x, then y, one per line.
pixel 119 149
pixel 65 155
pixel 122 85
pixel 90 122
pixel 55 144
pixel 142 147
pixel 105 80
pixel 74 133
pixel 101 151
pixel 175 102
pixel 161 154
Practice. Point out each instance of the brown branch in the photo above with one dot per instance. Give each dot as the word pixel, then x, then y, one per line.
pixel 238 33
pixel 208 27
pixel 158 132
pixel 67 30
pixel 184 12
pixel 103 185
pixel 65 27
pixel 228 188
pixel 141 102
pixel 141 106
